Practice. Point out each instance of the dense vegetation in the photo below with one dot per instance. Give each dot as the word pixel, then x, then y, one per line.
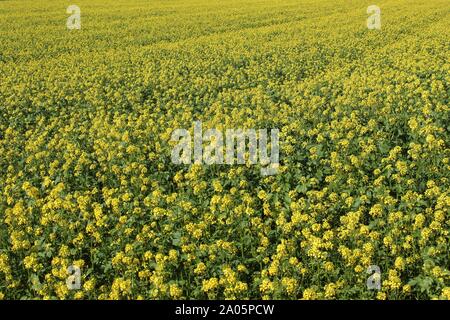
pixel 86 177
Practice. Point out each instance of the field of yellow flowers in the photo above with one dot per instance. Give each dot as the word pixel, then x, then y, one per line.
pixel 86 178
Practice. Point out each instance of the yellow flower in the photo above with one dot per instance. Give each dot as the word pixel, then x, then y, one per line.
pixel 330 291
pixel 309 294
pixel 175 292
pixel 399 263
pixel 446 293
pixel 200 269
pixel 210 284
pixel 89 285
